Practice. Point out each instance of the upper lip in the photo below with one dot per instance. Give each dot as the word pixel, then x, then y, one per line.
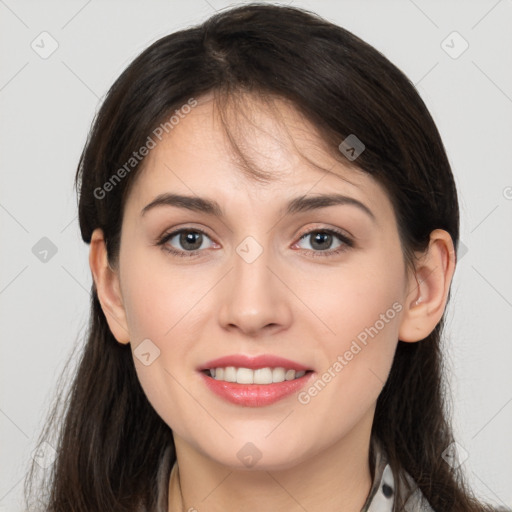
pixel 253 362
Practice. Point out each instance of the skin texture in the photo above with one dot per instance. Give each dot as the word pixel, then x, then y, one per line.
pixel 287 302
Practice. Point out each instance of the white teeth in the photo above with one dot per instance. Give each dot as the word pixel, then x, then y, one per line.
pixel 263 376
pixel 245 376
pixel 278 374
pixel 229 374
pixel 259 376
pixel 290 375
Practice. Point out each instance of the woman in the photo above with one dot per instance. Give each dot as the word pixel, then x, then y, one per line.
pixel 272 222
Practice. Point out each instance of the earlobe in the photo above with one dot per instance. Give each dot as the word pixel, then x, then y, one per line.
pixel 428 289
pixel 108 289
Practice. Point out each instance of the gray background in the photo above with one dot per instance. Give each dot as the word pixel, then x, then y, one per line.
pixel 47 106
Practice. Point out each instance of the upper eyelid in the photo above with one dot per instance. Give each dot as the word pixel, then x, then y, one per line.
pixel 337 231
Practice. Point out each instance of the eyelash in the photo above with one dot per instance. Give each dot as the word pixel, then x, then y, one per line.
pixel 347 242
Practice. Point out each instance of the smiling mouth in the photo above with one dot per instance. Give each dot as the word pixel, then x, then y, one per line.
pixel 241 375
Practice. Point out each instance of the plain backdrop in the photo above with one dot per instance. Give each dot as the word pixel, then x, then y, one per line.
pixel 47 104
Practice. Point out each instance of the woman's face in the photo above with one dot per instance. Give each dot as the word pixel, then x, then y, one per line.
pixel 260 281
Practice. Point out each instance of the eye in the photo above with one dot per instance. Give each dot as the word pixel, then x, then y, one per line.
pixel 189 241
pixel 321 241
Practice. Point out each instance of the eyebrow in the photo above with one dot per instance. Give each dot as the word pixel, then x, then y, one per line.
pixel 296 205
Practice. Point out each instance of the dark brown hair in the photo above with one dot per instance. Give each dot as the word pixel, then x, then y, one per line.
pixel 109 439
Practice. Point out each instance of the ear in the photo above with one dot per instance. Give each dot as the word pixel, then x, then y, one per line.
pixel 108 289
pixel 428 288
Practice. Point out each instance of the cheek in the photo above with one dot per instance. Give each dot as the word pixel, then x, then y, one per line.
pixel 362 309
pixel 163 307
pixel 358 298
pixel 167 393
pixel 156 297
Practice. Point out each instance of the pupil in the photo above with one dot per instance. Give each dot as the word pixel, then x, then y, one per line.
pixel 188 242
pixel 319 237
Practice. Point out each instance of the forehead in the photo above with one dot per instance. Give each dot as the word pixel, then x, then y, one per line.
pixel 198 157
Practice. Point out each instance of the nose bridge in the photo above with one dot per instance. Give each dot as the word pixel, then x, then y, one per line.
pixel 254 300
pixel 251 266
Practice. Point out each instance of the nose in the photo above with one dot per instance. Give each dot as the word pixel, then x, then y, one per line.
pixel 255 298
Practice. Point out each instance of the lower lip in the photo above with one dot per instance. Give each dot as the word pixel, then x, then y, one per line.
pixel 255 395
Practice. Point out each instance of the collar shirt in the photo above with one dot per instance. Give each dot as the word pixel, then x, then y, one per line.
pixel 383 492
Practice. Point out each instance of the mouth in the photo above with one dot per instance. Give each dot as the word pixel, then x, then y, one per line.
pixel 254 381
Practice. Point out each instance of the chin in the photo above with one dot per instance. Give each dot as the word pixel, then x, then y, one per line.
pixel 260 456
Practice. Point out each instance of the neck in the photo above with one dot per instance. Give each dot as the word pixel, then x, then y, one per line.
pixel 337 478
